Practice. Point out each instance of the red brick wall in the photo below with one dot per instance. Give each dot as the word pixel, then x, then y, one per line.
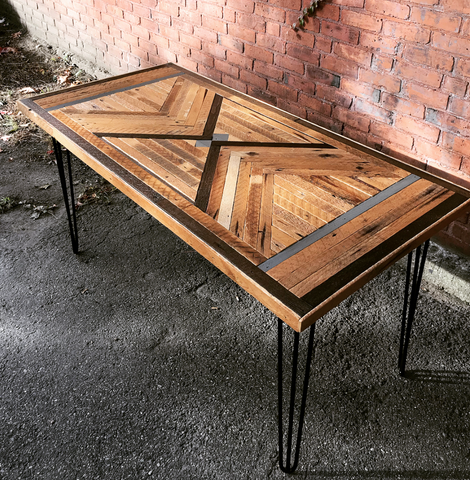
pixel 393 74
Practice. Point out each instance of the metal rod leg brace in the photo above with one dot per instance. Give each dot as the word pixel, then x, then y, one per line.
pixel 70 207
pixel 287 467
pixel 411 300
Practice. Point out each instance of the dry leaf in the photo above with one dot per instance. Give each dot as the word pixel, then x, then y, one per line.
pixel 16 35
pixel 29 90
pixel 8 50
pixel 65 78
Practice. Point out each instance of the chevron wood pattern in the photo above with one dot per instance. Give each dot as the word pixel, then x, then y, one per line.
pixel 298 216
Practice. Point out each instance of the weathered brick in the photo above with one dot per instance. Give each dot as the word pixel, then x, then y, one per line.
pixel 282 91
pixel 407 31
pixel 425 55
pixel 339 31
pixel 272 43
pixel 460 6
pixel 242 5
pixel 300 84
pixel 240 60
pixel 401 105
pixel 288 35
pixel 291 108
pixel 438 154
pixel 379 43
pixel 317 74
pixel 381 62
pixel 313 103
pixel 215 50
pixel 390 83
pixel 386 7
pixel 351 118
pixel 372 110
pixel 288 63
pixel 214 24
pixel 305 54
pixel 330 12
pixel 454 85
pixel 391 134
pixel 448 122
pixel 253 79
pixel 421 75
pixel 191 41
pixel 205 34
pixel 334 95
pixel 451 43
pixel 267 11
pixel 326 121
pixel 258 53
pixel 360 20
pixel 353 53
pixel 231 43
pixel 459 107
pixel 339 66
pixel 251 21
pixel 202 58
pixel 234 83
pixel 426 96
pixel 436 20
pixel 417 128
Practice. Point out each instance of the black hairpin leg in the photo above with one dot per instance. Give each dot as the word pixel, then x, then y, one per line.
pixel 287 467
pixel 411 300
pixel 69 206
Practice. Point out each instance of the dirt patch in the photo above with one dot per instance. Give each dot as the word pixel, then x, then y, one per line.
pixel 29 177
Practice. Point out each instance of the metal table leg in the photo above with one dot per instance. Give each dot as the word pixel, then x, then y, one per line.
pixel 411 300
pixel 287 467
pixel 69 206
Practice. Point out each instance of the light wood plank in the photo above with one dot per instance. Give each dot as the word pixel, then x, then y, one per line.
pixel 230 187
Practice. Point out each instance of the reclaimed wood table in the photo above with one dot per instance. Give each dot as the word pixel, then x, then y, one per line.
pixel 298 216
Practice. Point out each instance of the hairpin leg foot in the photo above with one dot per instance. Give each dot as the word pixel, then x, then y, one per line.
pixel 411 300
pixel 69 206
pixel 287 466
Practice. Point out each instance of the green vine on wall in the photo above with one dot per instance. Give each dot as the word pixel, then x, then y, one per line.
pixel 307 12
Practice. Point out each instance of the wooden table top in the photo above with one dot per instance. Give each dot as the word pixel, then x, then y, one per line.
pixel 298 216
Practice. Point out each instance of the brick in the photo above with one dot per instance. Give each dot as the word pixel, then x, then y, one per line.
pixel 460 6
pixel 451 43
pixel 417 128
pixel 359 89
pixel 463 67
pixel 334 95
pixel 242 33
pixel 379 43
pixel 289 35
pixel 456 143
pixel 419 74
pixel 293 4
pixel 362 21
pixel 303 53
pixel 168 6
pixel 202 58
pixel 323 44
pixel 325 121
pixel 159 41
pixel 214 24
pixel 258 53
pixel 386 7
pixel 407 31
pixel 181 26
pixel 282 91
pixel 191 41
pixel 234 83
pixel 149 47
pixel 339 66
pixel 291 108
pixel 448 122
pixel 372 110
pixel 270 42
pixel 391 134
pixel 254 22
pixel 269 12
pixel 169 33
pixel 231 43
pixel 401 105
pixel 440 155
pixel 388 82
pixel 353 53
pixel 210 9
pixel 140 32
pixel 247 6
pixel 210 72
pixel 288 63
pixel 180 49
pixel 225 67
pixel 459 107
pixel 380 62
pixel 205 34
pixel 262 95
pixel 317 74
pixel 426 96
pixel 425 55
pixel 187 63
pixel 273 28
pixel 349 3
pixel 454 85
pixel 191 18
pixel 328 11
pixel 340 32
pixel 313 103
pixel 300 84
pixel 240 60
pixel 215 50
pixel 360 122
pixel 253 79
pixel 436 20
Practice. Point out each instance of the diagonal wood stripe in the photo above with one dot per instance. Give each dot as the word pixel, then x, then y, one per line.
pixel 338 222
